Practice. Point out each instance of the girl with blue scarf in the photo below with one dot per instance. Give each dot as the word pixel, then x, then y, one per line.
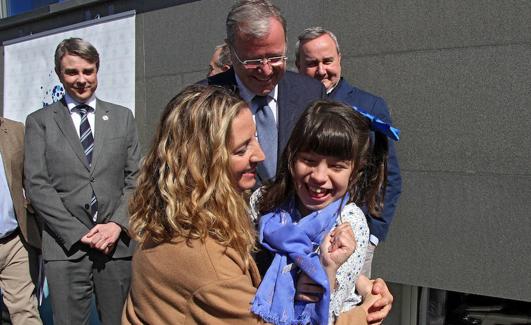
pixel 331 166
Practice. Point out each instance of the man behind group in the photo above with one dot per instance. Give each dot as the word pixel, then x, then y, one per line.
pixel 220 61
pixel 81 160
pixel 318 56
pixel 19 232
pixel 256 36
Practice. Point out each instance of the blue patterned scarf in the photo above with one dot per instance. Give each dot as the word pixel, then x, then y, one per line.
pixel 294 246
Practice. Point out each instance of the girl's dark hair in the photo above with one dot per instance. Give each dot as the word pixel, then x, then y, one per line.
pixel 334 129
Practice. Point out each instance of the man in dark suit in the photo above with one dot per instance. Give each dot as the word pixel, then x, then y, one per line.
pixel 256 36
pixel 20 237
pixel 81 161
pixel 318 56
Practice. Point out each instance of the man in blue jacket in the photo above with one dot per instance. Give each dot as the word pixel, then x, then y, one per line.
pixel 318 56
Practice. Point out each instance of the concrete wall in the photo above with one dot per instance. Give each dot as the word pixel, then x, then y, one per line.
pixel 456 76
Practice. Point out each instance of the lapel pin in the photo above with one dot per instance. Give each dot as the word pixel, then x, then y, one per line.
pixel 105 117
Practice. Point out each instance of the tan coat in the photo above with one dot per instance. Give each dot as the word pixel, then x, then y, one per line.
pixel 204 283
pixel 12 149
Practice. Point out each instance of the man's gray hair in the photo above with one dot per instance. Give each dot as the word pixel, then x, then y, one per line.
pixel 224 56
pixel 79 47
pixel 311 33
pixel 251 18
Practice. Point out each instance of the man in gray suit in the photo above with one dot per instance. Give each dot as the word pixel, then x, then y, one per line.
pixel 81 161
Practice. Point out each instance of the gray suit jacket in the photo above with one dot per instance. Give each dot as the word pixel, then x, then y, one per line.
pixel 59 181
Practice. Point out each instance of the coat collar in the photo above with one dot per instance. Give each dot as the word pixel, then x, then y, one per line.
pixel 5 148
pixel 3 127
pixel 341 90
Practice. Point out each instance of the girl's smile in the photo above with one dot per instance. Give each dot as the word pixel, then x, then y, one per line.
pixel 319 180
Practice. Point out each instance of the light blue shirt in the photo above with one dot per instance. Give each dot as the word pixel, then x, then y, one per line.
pixel 8 221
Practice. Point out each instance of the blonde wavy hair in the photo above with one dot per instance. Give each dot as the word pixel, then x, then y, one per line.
pixel 185 190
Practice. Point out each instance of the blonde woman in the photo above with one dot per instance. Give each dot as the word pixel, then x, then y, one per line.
pixel 189 215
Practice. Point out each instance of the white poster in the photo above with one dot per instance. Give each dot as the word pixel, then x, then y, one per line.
pixel 30 82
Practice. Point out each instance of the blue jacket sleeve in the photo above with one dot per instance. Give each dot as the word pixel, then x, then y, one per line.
pixel 379 227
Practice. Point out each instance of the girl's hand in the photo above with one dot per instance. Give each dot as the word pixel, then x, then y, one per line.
pixel 337 246
pixel 335 249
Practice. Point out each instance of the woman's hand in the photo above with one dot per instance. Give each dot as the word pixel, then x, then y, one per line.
pixel 364 288
pixel 307 290
pixel 377 299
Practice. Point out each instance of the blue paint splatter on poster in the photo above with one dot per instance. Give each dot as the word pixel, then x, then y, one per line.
pixel 52 92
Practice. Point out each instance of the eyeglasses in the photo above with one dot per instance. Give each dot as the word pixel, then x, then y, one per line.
pixel 274 61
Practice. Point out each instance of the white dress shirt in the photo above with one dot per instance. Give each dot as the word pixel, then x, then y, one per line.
pixel 248 96
pixel 76 118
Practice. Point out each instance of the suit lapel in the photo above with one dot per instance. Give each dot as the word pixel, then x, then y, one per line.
pixel 101 122
pixel 341 92
pixel 66 125
pixel 285 115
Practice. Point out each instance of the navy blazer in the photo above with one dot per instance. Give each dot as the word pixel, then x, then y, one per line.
pixel 351 95
pixel 295 93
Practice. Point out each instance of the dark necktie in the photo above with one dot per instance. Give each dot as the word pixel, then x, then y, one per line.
pixel 87 141
pixel 266 128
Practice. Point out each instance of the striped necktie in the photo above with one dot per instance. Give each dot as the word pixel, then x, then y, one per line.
pixel 87 141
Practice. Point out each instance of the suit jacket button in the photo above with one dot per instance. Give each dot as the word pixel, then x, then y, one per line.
pixel 92 179
pixel 87 206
